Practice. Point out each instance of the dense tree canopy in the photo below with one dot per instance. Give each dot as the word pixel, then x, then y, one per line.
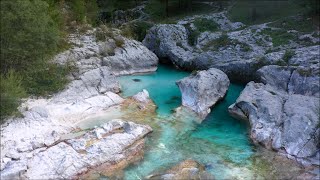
pixel 28 34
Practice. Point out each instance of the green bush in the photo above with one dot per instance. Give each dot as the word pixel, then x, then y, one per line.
pixel 103 32
pixel 28 34
pixel 279 37
pixel 301 24
pixel 203 24
pixel 46 79
pixel 11 93
pixel 136 30
pixel 119 41
pixel 288 55
pixel 192 34
pixel 84 11
pixel 78 8
pixel 92 11
pixel 156 9
pixel 222 41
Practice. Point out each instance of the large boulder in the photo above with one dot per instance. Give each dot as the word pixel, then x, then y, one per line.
pixel 288 123
pixel 109 147
pixel 202 90
pixel 131 58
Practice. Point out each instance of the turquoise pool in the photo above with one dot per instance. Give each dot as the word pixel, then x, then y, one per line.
pixel 220 141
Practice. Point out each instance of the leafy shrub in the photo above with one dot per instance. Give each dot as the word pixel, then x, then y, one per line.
pixel 245 47
pixel 119 41
pixel 46 79
pixel 156 9
pixel 11 93
pixel 136 30
pixel 288 55
pixel 279 37
pixel 78 8
pixel 103 32
pixel 222 41
pixel 298 23
pixel 28 34
pixel 304 72
pixel 203 24
pixel 92 11
pixel 192 34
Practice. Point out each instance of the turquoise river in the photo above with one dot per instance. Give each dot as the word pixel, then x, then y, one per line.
pixel 220 142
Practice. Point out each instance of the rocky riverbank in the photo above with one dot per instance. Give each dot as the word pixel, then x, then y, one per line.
pixel 282 105
pixel 47 136
pixel 281 100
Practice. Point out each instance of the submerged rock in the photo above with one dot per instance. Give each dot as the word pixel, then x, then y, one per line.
pixel 188 169
pixel 142 97
pixel 139 107
pixel 117 145
pixel 203 89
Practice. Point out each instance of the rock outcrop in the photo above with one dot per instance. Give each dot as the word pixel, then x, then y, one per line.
pixel 132 58
pixel 284 111
pixel 239 53
pixel 109 147
pixel 302 80
pixel 119 54
pixel 188 169
pixel 203 89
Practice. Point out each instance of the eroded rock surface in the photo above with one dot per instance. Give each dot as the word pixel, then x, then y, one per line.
pixel 119 54
pixel 132 58
pixel 112 145
pixel 203 89
pixel 284 109
pixel 284 122
pixel 239 52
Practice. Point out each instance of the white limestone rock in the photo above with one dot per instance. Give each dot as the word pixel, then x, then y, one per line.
pixel 203 89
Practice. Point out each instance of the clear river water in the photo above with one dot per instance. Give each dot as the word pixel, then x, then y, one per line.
pixel 220 142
